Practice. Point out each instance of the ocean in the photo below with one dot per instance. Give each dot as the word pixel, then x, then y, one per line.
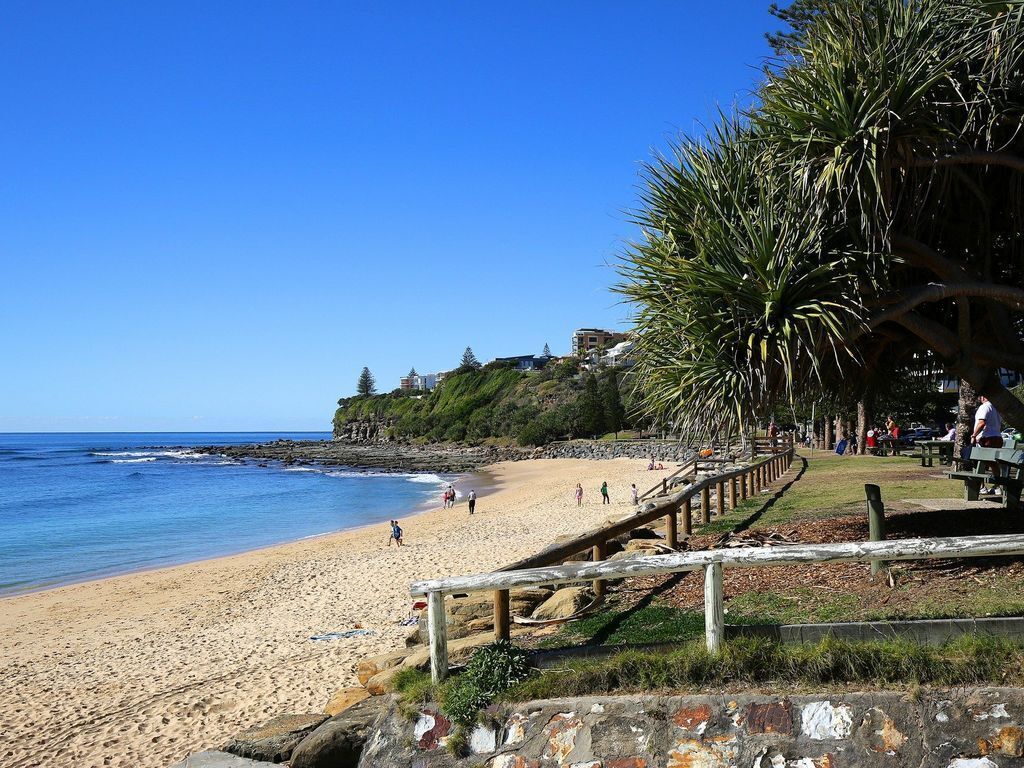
pixel 75 507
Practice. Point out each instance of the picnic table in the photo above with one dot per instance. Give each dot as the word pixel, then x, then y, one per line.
pixel 936 449
pixel 998 466
pixel 889 446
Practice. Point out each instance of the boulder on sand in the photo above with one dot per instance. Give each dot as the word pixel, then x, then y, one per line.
pixel 564 603
pixel 373 665
pixel 274 740
pixel 343 699
pixel 338 743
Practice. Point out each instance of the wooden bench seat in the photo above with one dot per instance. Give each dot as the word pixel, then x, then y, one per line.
pixel 1009 473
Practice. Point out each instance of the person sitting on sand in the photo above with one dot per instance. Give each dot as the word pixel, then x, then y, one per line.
pixel 650 466
pixel 604 493
pixel 396 533
pixel 579 495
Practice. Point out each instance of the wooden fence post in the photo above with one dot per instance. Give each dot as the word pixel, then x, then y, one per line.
pixel 876 521
pixel 598 555
pixel 687 519
pixel 714 607
pixel 732 492
pixel 437 631
pixel 744 484
pixel 671 534
pixel 501 617
pixel 720 498
pixel 705 505
pixel 664 486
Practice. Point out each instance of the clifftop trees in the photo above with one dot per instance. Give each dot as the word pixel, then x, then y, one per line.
pixel 366 385
pixel 868 210
pixel 469 361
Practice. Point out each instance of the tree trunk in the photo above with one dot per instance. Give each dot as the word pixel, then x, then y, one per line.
pixel 964 417
pixel 827 437
pixel 864 417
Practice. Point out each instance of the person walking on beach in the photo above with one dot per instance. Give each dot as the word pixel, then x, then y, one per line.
pixel 396 533
pixel 579 495
pixel 635 493
pixel 604 493
pixel 472 501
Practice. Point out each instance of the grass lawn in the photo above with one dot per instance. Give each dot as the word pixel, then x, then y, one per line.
pixel 823 501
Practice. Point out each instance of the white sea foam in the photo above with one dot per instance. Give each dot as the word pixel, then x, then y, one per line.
pixel 425 477
pixel 161 454
pixel 133 461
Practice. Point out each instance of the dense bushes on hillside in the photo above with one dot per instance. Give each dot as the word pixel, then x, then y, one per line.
pixel 497 402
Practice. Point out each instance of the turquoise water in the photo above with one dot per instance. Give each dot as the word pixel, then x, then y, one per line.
pixel 75 507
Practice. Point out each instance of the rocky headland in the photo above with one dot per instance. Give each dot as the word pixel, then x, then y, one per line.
pixel 384 455
pixel 398 456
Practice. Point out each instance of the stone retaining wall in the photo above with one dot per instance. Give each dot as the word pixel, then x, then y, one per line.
pixel 961 728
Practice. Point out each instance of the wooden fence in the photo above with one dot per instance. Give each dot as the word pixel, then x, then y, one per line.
pixel 731 487
pixel 712 562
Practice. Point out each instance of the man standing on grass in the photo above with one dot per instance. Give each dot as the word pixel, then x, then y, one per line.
pixel 472 501
pixel 987 433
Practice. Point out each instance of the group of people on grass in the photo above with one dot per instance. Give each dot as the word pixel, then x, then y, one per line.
pixel 987 431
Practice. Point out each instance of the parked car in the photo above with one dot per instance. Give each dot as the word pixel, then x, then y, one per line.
pixel 919 433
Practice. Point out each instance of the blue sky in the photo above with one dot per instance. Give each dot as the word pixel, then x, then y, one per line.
pixel 212 215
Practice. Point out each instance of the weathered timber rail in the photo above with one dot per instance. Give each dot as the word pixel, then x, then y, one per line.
pixel 731 487
pixel 712 562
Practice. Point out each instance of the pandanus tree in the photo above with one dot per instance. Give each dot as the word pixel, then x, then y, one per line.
pixel 864 213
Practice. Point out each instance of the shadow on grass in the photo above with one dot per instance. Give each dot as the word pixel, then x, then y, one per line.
pixel 605 632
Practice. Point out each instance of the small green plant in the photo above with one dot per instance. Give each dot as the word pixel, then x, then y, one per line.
pixel 414 688
pixel 457 743
pixel 491 671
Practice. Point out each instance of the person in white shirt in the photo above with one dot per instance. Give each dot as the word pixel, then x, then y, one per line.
pixel 472 502
pixel 988 427
pixel 987 433
pixel 950 435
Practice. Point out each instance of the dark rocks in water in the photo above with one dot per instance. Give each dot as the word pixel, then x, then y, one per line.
pixel 396 456
pixel 134 475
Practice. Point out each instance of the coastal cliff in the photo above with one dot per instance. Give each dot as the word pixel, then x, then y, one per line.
pixel 495 402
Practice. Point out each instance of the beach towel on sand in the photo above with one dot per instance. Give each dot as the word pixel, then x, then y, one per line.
pixel 340 635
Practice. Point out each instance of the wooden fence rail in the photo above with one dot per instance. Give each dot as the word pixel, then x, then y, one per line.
pixel 712 562
pixel 673 507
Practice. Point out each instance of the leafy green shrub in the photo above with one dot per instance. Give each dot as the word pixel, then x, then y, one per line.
pixel 491 671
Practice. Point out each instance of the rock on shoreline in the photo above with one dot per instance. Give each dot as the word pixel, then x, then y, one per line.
pixel 396 456
pixel 389 456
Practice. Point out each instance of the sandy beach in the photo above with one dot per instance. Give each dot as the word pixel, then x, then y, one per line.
pixel 140 670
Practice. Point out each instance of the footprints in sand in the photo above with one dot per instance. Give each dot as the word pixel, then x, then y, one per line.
pixel 110 681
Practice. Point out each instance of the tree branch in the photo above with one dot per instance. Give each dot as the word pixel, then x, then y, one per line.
pixel 962 363
pixel 1004 294
pixel 917 254
pixel 1002 159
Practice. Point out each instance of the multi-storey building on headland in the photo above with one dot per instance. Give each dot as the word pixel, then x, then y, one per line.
pixel 423 382
pixel 586 339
